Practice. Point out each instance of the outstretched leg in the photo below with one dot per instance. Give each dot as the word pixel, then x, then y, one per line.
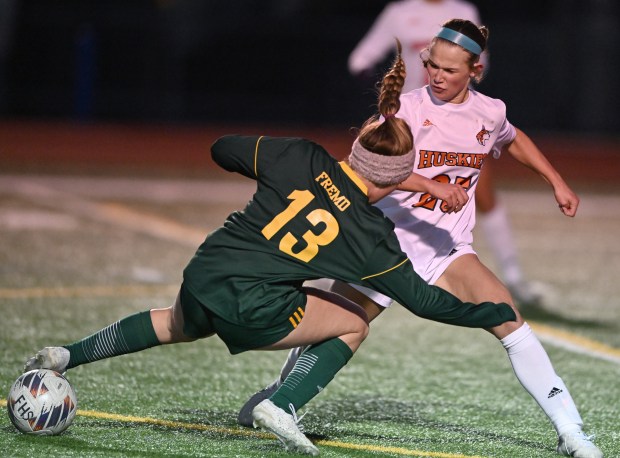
pixel 131 334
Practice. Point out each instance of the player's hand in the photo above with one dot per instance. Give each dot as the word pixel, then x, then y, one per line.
pixel 567 200
pixel 454 196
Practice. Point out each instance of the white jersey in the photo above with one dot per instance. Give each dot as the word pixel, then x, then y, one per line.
pixel 452 142
pixel 414 23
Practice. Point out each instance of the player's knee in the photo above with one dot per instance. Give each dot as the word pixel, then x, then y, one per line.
pixel 177 335
pixel 174 327
pixel 362 330
pixel 357 335
pixel 507 327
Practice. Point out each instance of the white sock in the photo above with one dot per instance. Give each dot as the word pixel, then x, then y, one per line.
pixel 534 370
pixel 498 235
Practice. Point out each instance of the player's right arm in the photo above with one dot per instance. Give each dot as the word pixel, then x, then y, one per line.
pixel 237 153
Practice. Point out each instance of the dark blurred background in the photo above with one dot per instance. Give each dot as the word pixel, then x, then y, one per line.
pixel 555 63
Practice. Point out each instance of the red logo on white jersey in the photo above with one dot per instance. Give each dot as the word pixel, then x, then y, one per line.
pixel 427 123
pixel 483 135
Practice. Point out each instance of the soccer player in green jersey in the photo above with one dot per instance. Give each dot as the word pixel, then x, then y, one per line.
pixel 311 218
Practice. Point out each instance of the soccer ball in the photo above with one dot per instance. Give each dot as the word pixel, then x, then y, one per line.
pixel 42 402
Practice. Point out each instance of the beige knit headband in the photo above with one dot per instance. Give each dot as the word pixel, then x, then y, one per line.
pixel 380 169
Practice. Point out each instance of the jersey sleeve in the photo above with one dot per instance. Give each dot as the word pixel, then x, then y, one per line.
pixel 404 285
pixel 507 133
pixel 260 157
pixel 236 153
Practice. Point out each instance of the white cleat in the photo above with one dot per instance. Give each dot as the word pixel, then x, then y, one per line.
pixel 54 358
pixel 245 414
pixel 284 425
pixel 578 445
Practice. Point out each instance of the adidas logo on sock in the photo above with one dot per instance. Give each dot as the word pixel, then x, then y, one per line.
pixel 554 392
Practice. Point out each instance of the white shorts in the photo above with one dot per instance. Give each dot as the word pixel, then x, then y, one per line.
pixel 433 276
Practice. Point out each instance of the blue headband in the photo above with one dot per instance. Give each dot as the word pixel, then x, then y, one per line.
pixel 460 39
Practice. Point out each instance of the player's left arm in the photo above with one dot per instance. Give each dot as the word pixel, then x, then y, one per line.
pixel 454 195
pixel 433 303
pixel 523 149
pixel 391 273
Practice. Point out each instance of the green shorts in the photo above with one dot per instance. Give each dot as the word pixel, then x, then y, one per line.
pixel 200 322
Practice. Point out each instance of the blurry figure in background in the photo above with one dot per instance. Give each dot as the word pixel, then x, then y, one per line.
pixel 415 23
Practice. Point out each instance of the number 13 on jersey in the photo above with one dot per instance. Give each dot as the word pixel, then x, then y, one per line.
pixel 300 200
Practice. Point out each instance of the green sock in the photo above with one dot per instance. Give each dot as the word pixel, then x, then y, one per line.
pixel 128 335
pixel 314 369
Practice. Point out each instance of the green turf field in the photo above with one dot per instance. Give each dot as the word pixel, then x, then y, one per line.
pixel 78 253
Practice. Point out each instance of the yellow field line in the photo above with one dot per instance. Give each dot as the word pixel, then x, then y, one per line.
pixel 393 450
pixel 257 434
pixel 579 341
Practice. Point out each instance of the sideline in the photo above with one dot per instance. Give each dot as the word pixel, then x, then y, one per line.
pixel 257 434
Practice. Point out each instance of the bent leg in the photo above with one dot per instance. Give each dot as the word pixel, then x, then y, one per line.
pixel 327 315
pixel 469 280
pixel 372 309
pixel 334 328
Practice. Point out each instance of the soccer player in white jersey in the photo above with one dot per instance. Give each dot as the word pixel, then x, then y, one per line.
pixel 415 23
pixel 456 129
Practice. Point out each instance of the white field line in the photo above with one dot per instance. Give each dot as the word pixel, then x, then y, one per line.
pixel 57 194
pixel 229 191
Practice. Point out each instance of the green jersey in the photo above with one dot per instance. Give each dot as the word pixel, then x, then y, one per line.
pixel 310 218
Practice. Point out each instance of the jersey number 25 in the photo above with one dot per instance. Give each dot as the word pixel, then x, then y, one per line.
pixel 429 202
